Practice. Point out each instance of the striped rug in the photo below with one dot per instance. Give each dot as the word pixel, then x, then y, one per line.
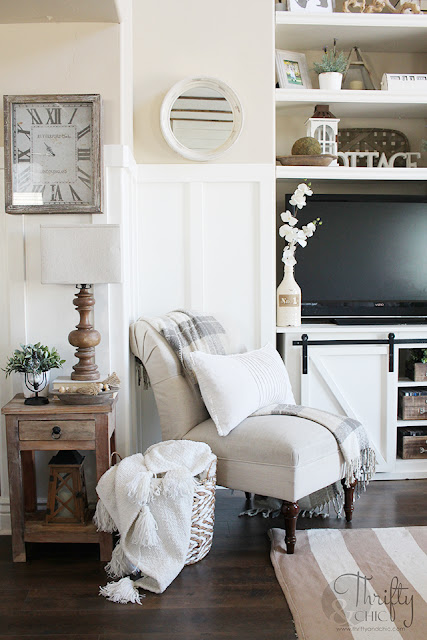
pixel 366 584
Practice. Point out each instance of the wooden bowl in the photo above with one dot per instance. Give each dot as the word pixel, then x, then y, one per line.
pixel 321 160
pixel 81 398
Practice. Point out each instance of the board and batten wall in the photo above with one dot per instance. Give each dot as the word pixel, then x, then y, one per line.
pixel 32 312
pixel 207 243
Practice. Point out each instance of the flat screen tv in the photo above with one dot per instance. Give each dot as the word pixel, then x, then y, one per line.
pixel 367 261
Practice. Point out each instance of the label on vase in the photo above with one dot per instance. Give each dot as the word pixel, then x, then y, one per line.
pixel 289 300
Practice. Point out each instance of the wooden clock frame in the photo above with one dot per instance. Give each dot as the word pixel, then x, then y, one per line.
pixel 97 156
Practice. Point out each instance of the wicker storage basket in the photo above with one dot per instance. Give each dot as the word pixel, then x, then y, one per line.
pixel 203 516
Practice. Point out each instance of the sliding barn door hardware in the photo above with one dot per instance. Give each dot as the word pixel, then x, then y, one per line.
pixel 305 343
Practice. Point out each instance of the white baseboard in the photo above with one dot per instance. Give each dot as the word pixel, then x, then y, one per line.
pixel 4 517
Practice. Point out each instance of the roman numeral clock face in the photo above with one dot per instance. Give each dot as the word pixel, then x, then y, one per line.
pixel 54 157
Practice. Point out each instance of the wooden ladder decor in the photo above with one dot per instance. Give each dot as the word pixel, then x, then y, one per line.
pixel 368 76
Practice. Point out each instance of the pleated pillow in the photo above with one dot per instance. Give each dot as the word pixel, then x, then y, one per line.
pixel 234 386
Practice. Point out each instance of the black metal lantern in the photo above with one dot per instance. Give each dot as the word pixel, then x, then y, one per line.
pixel 66 499
pixel 35 385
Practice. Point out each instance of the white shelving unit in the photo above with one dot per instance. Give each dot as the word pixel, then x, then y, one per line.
pixel 352 379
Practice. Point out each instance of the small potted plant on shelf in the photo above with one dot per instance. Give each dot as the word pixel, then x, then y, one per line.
pixel 331 68
pixel 34 362
pixel 416 365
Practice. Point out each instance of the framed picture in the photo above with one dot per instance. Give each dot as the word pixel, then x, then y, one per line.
pixel 311 6
pixel 292 71
pixel 53 153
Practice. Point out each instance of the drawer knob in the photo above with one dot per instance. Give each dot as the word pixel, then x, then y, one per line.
pixel 422 450
pixel 56 433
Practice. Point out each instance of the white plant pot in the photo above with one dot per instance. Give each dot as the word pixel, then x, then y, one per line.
pixel 330 81
pixel 38 378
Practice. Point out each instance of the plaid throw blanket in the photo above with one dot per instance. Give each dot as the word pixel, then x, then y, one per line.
pixel 187 331
pixel 350 435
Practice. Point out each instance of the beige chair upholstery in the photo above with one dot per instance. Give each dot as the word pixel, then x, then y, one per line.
pixel 280 456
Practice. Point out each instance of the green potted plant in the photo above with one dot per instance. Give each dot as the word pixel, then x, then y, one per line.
pixel 331 68
pixel 34 362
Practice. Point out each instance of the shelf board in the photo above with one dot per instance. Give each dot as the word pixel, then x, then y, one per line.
pixel 381 32
pixel 36 530
pixel 406 382
pixel 348 103
pixel 411 423
pixel 411 465
pixel 349 173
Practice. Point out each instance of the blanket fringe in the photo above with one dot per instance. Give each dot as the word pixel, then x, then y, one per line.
pixel 138 489
pixel 119 565
pixel 122 592
pixel 145 529
pixel 361 469
pixel 102 519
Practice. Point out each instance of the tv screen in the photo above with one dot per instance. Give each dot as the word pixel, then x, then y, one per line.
pixel 367 259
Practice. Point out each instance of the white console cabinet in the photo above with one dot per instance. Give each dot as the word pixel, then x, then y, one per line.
pixel 354 380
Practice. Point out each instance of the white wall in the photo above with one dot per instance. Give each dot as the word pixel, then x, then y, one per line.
pixel 64 58
pixel 230 40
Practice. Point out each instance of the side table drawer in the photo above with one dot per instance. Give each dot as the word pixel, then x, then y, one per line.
pixel 57 430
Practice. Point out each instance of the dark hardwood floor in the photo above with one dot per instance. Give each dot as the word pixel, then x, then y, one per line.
pixel 232 593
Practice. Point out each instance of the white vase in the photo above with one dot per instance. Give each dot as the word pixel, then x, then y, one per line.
pixel 288 300
pixel 330 81
pixel 39 379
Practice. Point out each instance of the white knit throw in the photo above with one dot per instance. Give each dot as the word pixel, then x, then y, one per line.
pixel 152 515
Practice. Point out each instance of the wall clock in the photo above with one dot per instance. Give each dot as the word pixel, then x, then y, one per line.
pixel 53 154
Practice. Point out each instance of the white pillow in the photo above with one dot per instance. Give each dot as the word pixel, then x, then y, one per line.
pixel 235 386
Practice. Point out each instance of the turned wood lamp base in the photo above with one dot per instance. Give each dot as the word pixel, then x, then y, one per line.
pixel 85 337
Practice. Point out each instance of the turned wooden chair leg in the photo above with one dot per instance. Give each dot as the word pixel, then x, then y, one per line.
pixel 290 510
pixel 248 495
pixel 349 500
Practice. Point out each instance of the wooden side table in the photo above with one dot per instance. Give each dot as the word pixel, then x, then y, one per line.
pixel 30 429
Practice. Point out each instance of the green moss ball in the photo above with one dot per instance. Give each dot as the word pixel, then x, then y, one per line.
pixel 306 147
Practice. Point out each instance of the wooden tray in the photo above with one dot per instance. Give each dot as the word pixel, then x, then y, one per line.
pixel 81 398
pixel 321 160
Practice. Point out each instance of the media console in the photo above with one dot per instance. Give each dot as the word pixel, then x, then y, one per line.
pixel 357 371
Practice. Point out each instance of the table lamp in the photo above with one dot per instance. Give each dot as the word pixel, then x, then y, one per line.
pixel 82 255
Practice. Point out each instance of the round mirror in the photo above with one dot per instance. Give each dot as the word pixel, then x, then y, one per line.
pixel 201 118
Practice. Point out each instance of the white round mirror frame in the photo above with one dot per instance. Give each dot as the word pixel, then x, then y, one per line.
pixel 191 83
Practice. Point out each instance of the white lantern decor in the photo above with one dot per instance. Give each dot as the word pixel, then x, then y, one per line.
pixel 323 126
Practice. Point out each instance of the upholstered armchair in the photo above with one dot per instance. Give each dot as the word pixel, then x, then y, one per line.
pixel 280 456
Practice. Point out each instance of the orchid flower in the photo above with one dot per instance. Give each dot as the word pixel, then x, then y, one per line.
pixel 287 232
pixel 309 229
pixel 298 199
pixel 289 218
pixel 288 257
pixel 304 189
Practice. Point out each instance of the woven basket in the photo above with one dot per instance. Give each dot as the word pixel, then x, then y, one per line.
pixel 202 518
pixel 388 141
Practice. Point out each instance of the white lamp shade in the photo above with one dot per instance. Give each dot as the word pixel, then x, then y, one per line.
pixel 80 254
